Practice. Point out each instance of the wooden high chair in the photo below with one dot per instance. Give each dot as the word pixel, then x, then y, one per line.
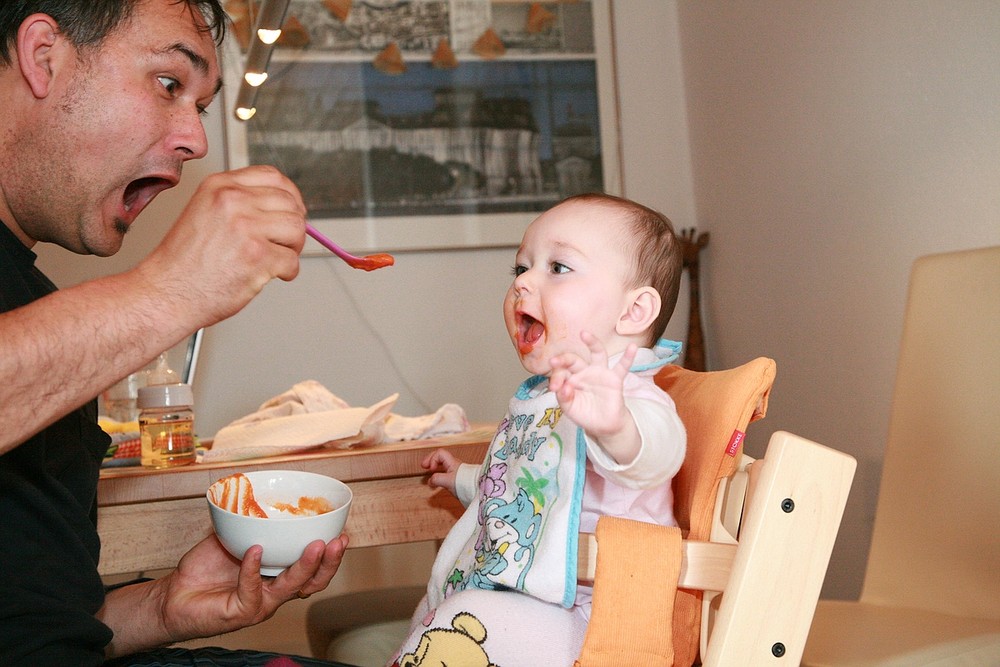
pixel 759 533
pixel 766 554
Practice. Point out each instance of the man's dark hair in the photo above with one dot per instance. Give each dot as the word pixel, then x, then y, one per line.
pixel 89 22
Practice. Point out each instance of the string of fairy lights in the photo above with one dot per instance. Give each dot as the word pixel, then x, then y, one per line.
pixel 270 21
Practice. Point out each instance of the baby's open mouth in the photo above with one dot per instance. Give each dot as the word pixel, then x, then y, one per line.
pixel 530 330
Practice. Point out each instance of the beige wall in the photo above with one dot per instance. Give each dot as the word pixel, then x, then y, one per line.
pixel 824 146
pixel 833 143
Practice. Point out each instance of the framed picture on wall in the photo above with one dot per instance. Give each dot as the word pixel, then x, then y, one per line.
pixel 432 124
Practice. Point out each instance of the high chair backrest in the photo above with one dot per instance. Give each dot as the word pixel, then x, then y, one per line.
pixel 716 408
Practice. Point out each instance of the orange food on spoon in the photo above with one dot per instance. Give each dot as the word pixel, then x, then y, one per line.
pixel 372 262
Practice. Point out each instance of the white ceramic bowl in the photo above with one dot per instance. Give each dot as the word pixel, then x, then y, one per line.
pixel 283 536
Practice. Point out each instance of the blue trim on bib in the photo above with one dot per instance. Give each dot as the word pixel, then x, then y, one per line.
pixel 666 351
pixel 573 535
pixel 523 392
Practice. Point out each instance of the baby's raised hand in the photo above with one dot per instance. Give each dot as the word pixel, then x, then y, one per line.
pixel 589 392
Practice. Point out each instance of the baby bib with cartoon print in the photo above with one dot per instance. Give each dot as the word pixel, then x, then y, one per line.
pixel 530 494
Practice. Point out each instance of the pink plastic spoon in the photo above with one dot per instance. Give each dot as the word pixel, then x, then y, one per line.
pixel 368 262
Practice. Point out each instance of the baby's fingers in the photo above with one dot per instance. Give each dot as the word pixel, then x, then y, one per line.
pixel 436 460
pixel 558 378
pixel 568 362
pixel 598 355
pixel 428 461
pixel 625 363
pixel 565 395
pixel 441 460
pixel 438 480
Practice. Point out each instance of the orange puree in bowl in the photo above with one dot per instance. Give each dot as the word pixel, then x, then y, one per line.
pixel 307 506
pixel 235 494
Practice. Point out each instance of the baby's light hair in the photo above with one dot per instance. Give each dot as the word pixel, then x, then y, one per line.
pixel 658 253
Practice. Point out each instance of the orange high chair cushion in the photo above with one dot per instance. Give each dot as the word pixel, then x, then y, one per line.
pixel 634 588
pixel 716 408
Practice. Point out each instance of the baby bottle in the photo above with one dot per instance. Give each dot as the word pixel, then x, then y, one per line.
pixel 166 420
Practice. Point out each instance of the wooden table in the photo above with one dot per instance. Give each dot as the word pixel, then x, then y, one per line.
pixel 148 519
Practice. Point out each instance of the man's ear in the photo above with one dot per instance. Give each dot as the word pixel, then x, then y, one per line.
pixel 642 307
pixel 37 42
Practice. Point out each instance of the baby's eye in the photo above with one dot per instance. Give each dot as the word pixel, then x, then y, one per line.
pixel 558 267
pixel 171 84
pixel 518 269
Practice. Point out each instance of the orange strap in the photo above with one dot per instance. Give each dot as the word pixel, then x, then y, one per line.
pixel 638 565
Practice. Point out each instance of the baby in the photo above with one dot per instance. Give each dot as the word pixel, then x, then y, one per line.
pixel 589 434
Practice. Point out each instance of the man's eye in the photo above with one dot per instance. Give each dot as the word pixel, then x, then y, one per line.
pixel 559 268
pixel 171 84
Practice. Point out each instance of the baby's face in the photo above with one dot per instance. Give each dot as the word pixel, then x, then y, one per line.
pixel 569 276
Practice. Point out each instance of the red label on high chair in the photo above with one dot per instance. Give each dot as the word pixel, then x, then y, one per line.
pixel 735 442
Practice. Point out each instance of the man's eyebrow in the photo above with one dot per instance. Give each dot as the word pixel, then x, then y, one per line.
pixel 199 62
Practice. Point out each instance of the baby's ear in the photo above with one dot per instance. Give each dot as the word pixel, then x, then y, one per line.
pixel 641 309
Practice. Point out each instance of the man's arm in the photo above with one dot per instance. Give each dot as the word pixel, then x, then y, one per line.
pixel 62 350
pixel 240 230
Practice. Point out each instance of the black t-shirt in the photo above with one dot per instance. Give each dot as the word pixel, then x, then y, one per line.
pixel 49 547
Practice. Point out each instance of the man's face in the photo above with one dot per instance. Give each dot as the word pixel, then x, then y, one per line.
pixel 117 128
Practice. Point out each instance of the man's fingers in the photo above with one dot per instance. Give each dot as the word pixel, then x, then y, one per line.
pixel 249 586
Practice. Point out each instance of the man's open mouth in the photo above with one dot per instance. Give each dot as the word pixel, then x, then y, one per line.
pixel 141 191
